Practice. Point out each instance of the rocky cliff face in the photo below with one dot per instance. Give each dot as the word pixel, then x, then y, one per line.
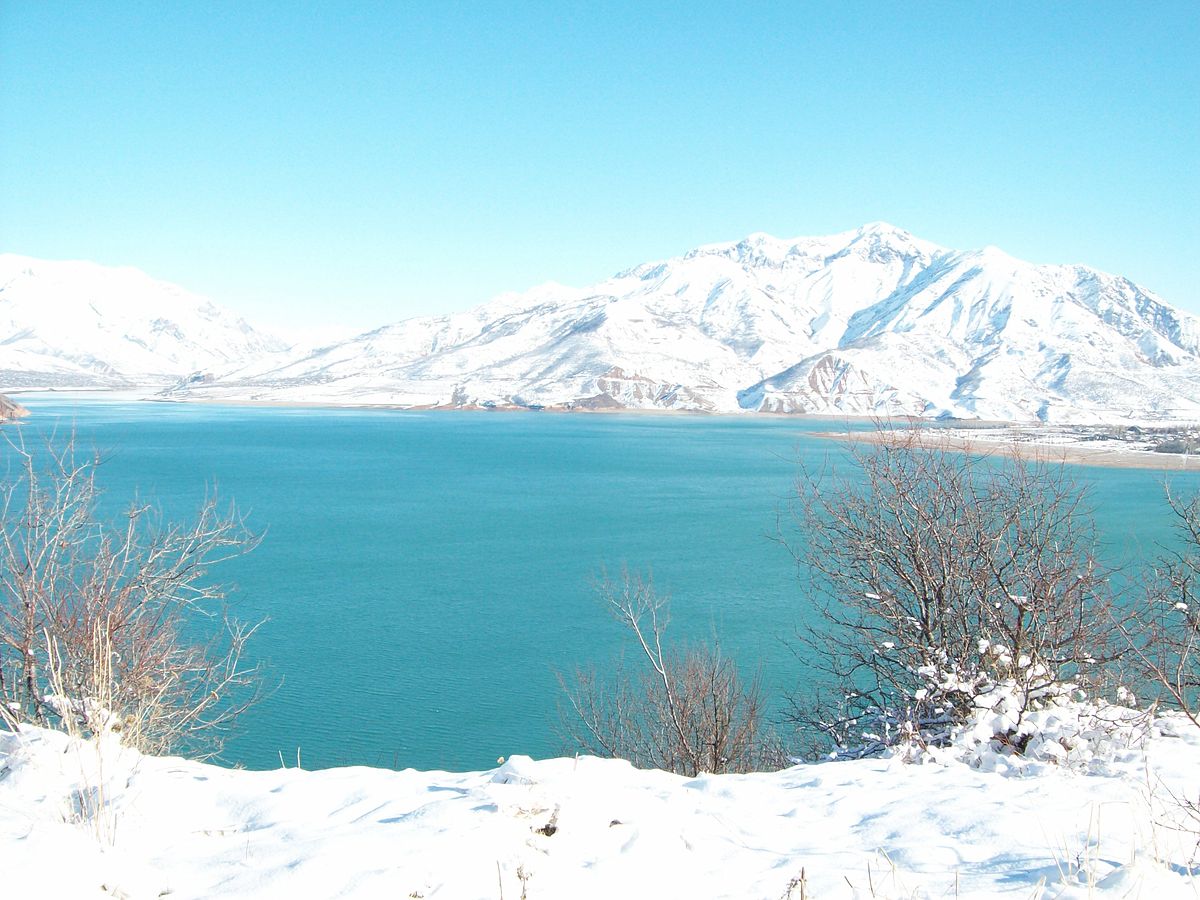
pixel 10 410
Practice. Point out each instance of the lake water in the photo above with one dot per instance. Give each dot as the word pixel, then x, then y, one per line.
pixel 426 574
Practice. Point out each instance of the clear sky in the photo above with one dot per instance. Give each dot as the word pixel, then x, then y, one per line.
pixel 358 163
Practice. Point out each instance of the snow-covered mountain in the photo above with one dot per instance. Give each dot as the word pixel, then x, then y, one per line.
pixel 79 324
pixel 872 321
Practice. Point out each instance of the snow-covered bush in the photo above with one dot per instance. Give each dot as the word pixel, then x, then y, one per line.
pixel 1164 633
pixel 1010 731
pixel 937 576
pixel 113 626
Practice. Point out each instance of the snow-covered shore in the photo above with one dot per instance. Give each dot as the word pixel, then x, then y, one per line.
pixel 1159 446
pixel 82 820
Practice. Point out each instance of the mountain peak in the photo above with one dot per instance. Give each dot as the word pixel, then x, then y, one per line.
pixel 882 228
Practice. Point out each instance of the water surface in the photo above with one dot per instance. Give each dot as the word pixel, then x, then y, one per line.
pixel 426 574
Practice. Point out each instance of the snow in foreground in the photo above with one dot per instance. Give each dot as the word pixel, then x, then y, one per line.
pixel 94 820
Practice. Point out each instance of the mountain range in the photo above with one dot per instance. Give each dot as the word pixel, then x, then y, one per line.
pixel 873 321
pixel 70 325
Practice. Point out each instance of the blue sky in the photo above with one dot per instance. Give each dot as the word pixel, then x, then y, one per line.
pixel 310 163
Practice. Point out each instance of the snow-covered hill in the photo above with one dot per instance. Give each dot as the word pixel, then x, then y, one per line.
pixel 79 324
pixel 873 321
pixel 1100 814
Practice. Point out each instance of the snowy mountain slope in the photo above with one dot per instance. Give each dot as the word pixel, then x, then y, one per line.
pixel 79 324
pixel 873 321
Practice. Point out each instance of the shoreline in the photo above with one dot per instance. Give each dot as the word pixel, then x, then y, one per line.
pixel 983 437
pixel 1041 451
pixel 135 396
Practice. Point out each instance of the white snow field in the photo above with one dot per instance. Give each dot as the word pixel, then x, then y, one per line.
pixel 1092 812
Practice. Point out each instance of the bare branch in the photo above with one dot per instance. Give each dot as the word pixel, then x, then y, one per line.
pixel 115 626
pixel 936 575
pixel 687 712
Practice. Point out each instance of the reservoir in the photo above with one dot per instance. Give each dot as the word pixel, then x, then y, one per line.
pixel 424 576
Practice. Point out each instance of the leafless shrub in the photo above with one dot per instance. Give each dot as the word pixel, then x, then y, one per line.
pixel 1165 632
pixel 937 576
pixel 683 711
pixel 114 626
pixel 1164 636
pixel 1178 445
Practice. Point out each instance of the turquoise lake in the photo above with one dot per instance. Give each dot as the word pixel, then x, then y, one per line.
pixel 425 575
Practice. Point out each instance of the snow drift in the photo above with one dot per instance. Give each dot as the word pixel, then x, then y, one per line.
pixel 1093 815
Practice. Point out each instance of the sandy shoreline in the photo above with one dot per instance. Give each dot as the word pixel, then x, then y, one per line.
pixel 1072 454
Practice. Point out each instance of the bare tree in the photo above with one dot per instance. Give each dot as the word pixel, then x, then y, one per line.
pixel 114 626
pixel 1165 632
pixel 937 575
pixel 681 711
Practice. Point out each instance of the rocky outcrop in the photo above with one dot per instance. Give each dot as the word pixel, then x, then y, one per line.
pixel 10 410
